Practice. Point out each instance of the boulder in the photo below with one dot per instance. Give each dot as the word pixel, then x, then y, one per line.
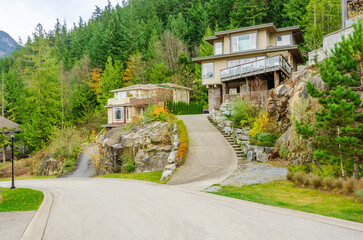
pixel 262 157
pixel 170 167
pixel 172 155
pixel 251 156
pixel 166 174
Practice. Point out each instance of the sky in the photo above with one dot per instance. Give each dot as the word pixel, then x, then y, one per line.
pixel 20 17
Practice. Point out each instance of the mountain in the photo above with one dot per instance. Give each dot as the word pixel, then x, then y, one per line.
pixel 7 44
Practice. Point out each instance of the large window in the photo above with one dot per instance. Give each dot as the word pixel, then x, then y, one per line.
pixel 218 48
pixel 118 114
pixel 283 40
pixel 121 95
pixel 207 70
pixel 244 42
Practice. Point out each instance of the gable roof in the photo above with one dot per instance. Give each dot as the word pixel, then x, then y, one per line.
pixel 296 31
pixel 4 122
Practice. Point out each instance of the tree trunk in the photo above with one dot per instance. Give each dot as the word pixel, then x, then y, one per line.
pixel 356 167
pixel 4 154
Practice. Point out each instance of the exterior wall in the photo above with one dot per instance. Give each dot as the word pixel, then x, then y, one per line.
pixel 180 95
pixel 218 65
pixel 214 97
pixel 262 39
pixel 109 115
pixel 226 45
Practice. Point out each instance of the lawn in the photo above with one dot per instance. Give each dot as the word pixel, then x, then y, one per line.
pixel 20 199
pixel 27 178
pixel 144 176
pixel 285 194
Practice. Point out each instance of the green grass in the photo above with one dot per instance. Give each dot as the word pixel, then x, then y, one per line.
pixel 20 199
pixel 285 194
pixel 144 176
pixel 28 177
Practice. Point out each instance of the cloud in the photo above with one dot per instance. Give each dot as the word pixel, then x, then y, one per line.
pixel 20 17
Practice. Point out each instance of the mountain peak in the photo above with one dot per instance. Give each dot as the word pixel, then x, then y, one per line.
pixel 7 44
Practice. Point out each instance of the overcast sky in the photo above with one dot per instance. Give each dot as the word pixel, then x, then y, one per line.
pixel 20 17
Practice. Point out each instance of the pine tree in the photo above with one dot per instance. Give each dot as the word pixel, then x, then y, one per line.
pixel 338 133
pixel 248 13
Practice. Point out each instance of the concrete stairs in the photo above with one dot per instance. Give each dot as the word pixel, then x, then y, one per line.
pixel 230 140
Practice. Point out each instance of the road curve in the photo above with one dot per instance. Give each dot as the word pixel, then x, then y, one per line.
pixel 123 209
pixel 210 157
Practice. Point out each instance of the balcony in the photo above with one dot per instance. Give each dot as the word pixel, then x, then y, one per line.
pixel 276 63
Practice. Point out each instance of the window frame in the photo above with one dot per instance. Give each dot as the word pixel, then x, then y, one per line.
pixel 114 114
pixel 215 48
pixel 252 46
pixel 203 64
pixel 283 35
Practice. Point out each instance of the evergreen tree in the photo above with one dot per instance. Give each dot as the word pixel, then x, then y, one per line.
pixel 248 13
pixel 338 133
pixel 219 12
pixel 294 12
pixel 111 79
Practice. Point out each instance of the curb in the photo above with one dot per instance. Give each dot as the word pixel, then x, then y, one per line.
pixel 36 228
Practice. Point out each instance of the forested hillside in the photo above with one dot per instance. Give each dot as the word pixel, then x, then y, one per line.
pixel 63 77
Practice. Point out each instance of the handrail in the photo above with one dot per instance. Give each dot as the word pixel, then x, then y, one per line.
pixel 256 65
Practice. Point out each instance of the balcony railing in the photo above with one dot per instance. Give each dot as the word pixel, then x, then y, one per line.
pixel 256 67
pixel 257 96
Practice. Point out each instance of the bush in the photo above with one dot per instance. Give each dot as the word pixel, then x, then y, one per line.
pixel 326 170
pixel 360 184
pixel 290 176
pixel 183 142
pixel 299 168
pixel 328 182
pixel 182 108
pixel 260 123
pixel 338 183
pixel 155 112
pixel 129 166
pixel 299 177
pixel 349 185
pixel 315 181
pixel 264 139
pixel 243 113
pixel 360 193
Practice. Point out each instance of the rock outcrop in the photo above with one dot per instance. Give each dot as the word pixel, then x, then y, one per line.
pixel 149 145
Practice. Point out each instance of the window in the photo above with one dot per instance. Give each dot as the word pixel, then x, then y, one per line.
pixel 244 42
pixel 218 48
pixel 121 95
pixel 283 40
pixel 244 88
pixel 207 70
pixel 118 114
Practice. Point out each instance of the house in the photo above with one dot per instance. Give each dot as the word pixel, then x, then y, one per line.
pixel 349 16
pixel 244 55
pixel 6 126
pixel 129 102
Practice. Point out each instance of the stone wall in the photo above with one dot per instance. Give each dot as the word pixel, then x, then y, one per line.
pixel 214 97
pixel 241 136
pixel 149 145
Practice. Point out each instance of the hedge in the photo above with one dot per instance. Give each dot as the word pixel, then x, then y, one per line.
pixel 183 142
pixel 182 108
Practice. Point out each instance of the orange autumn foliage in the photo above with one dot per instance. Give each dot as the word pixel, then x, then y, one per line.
pixel 95 82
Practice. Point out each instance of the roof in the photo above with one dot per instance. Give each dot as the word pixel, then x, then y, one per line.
pixel 294 49
pixel 150 87
pixel 4 122
pixel 296 31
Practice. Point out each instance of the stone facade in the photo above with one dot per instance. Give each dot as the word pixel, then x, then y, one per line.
pixel 214 97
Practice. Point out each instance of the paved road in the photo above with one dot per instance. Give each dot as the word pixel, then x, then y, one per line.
pixel 124 209
pixel 84 169
pixel 210 157
pixel 12 224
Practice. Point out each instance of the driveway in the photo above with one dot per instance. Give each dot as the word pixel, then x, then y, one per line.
pixel 124 209
pixel 210 157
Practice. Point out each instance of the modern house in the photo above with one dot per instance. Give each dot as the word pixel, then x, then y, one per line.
pixel 129 102
pixel 246 57
pixel 329 40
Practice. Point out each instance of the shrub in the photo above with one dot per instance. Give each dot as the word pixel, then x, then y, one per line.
pixel 360 184
pixel 243 113
pixel 360 193
pixel 182 108
pixel 360 172
pixel 183 142
pixel 338 183
pixel 290 176
pixel 264 139
pixel 326 170
pixel 129 166
pixel 299 168
pixel 315 181
pixel 260 123
pixel 155 112
pixel 328 182
pixel 299 177
pixel 349 185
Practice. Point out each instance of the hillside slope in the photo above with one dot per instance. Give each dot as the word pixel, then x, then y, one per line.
pixel 7 44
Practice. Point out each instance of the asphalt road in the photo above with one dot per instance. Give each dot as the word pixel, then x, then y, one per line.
pixel 125 209
pixel 210 157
